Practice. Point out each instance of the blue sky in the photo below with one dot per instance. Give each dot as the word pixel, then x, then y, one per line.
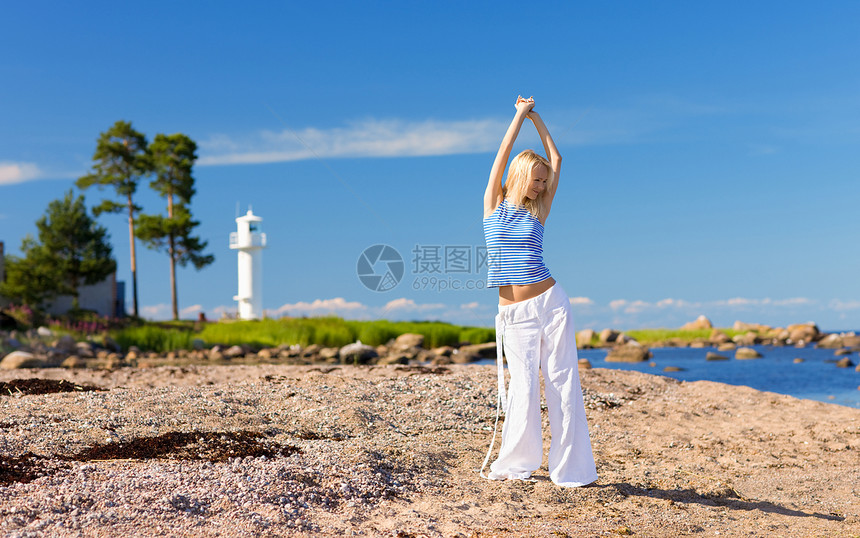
pixel 710 149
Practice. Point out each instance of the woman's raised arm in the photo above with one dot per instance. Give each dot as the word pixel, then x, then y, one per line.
pixel 493 194
pixel 552 155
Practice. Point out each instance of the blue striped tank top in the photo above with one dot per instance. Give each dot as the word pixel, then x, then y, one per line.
pixel 514 246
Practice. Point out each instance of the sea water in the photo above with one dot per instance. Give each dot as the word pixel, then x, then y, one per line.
pixel 816 378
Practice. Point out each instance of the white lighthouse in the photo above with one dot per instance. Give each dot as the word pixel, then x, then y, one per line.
pixel 250 242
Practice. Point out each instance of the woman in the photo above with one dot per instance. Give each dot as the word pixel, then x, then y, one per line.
pixel 534 325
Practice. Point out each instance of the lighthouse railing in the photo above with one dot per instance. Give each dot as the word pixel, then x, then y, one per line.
pixel 256 239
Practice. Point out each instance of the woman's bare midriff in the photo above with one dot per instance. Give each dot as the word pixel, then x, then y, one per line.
pixel 516 293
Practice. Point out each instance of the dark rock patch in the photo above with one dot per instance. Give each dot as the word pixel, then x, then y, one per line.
pixel 43 386
pixel 211 446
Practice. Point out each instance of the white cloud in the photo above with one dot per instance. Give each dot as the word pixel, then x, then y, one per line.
pixel 672 303
pixel 158 311
pixel 367 138
pixel 470 306
pixel 188 310
pixel 11 173
pixel 409 305
pixel 617 304
pixel 337 306
pixel 583 301
pixel 839 305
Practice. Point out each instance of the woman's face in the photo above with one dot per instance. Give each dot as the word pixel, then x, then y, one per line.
pixel 538 176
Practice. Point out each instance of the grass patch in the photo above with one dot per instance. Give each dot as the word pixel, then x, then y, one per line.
pixel 324 331
pixel 151 337
pixel 650 336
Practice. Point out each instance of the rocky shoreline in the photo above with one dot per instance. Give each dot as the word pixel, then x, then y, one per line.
pixel 40 348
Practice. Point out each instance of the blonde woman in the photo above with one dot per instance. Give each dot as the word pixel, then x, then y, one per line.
pixel 534 326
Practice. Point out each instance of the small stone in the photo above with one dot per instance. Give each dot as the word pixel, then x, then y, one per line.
pixel 584 364
pixel 711 356
pixel 798 360
pixel 673 369
pixel 844 362
pixel 743 353
pixel 21 359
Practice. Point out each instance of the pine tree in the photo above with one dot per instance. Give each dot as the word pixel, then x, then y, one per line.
pixel 173 158
pixel 121 159
pixel 72 250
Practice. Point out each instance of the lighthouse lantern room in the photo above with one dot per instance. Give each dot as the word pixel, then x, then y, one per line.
pixel 250 242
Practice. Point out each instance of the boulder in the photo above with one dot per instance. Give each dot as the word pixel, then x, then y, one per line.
pixel 802 332
pixel 673 369
pixel 798 360
pixel 608 336
pixel 44 332
pixel 22 359
pixel 584 337
pixel 700 322
pixel 623 339
pixel 407 340
pixel 73 361
pixel 441 360
pixel 844 362
pixel 747 353
pixel 630 352
pixel 486 350
pixel 329 353
pixel 85 350
pixel 842 351
pixel 265 353
pixel 198 344
pixel 234 351
pixel 396 358
pixel 698 344
pixel 728 346
pixel 356 353
pixel 748 339
pixel 851 340
pixel 443 351
pixel 313 349
pixel 712 356
pixel 718 337
pixel 830 341
pixel 584 364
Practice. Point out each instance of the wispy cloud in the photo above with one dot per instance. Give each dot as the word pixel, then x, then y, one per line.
pixel 20 172
pixel 11 172
pixel 366 138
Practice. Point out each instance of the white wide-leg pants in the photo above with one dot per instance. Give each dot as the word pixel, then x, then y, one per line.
pixel 539 334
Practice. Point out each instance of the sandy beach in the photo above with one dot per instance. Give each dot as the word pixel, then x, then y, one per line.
pixel 273 450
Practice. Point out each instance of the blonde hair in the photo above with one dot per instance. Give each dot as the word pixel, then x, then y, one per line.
pixel 517 183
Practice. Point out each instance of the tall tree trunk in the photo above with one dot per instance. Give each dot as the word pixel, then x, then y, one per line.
pixel 133 259
pixel 172 253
